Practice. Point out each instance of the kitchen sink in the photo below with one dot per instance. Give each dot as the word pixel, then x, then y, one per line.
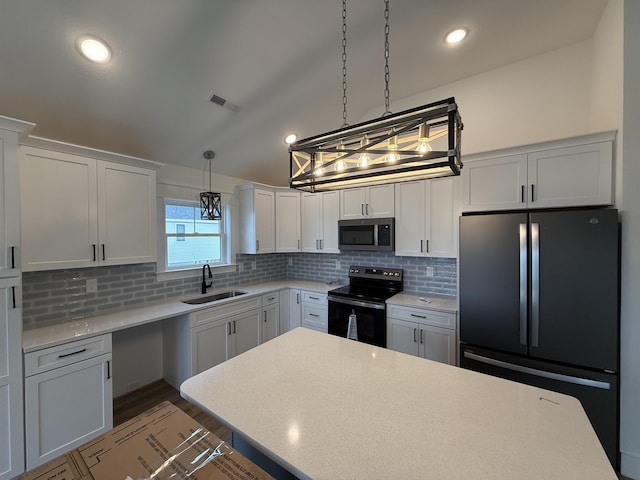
pixel 215 297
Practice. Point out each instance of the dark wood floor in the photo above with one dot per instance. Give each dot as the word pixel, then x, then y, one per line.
pixel 138 401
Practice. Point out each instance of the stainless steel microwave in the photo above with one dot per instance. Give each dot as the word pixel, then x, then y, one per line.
pixel 371 234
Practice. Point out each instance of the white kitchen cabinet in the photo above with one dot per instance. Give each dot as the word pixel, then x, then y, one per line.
pixel 97 212
pixel 367 202
pixel 257 219
pixel 320 215
pixel 269 326
pixel 426 223
pixel 315 311
pixel 68 397
pixel 294 317
pixel 11 408
pixel 421 332
pixel 567 173
pixel 287 221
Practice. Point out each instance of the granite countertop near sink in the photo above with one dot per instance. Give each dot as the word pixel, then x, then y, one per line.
pixel 441 303
pixel 38 338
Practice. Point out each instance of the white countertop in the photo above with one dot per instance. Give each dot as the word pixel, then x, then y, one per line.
pixel 440 303
pixel 43 337
pixel 325 407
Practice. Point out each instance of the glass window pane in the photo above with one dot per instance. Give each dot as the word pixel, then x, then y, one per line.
pixel 207 226
pixel 193 251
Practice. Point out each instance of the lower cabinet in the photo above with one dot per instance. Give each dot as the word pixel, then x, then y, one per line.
pixel 68 397
pixel 421 332
pixel 269 327
pixel 315 311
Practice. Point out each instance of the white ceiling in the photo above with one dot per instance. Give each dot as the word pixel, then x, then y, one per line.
pixel 278 60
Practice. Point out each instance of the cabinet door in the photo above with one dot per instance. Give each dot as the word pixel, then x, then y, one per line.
pixel 442 231
pixel 330 215
pixel 402 336
pixel 245 328
pixel 438 344
pixel 264 207
pixel 126 213
pixel 269 324
pixel 9 207
pixel 311 221
pixel 494 184
pixel 410 219
pixel 66 407
pixel 380 201
pixel 210 345
pixel 295 308
pixel 58 211
pixel 573 176
pixel 11 409
pixel 287 221
pixel 352 203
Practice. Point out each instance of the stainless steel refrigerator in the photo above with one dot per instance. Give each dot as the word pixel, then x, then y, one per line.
pixel 539 304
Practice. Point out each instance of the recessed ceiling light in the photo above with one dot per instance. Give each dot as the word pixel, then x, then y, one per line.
pixel 93 48
pixel 456 35
pixel 289 139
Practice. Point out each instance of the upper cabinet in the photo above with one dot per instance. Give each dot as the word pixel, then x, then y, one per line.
pixel 79 211
pixel 426 225
pixel 257 219
pixel 565 173
pixel 320 214
pixel 9 196
pixel 367 202
pixel 288 221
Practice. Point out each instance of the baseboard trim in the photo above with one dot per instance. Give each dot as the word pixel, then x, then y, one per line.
pixel 630 465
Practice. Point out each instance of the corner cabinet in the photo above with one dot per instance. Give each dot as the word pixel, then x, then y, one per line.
pixel 288 221
pixel 571 172
pixel 426 225
pixel 78 211
pixel 320 215
pixel 258 219
pixel 367 202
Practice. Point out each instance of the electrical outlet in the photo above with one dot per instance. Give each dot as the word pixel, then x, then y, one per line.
pixel 337 264
pixel 253 265
pixel 429 271
pixel 240 267
pixel 290 262
pixel 91 285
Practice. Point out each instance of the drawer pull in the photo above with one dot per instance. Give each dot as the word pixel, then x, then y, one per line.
pixel 72 353
pixel 314 298
pixel 314 315
pixel 418 316
pixel 270 299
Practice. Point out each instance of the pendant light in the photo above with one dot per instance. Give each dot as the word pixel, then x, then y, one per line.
pixel 210 202
pixel 419 143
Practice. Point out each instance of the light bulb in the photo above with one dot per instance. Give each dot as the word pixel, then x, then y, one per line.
pixel 364 157
pixel 340 165
pixel 93 48
pixel 392 145
pixel 319 171
pixel 423 139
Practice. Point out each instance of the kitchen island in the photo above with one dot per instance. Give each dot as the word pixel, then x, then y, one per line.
pixel 325 407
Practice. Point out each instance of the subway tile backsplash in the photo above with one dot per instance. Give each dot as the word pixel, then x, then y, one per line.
pixel 58 296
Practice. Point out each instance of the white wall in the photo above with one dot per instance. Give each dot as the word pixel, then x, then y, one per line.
pixel 630 304
pixel 542 98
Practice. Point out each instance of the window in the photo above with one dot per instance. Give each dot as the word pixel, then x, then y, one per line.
pixel 189 241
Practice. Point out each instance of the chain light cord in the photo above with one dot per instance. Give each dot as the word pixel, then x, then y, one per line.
pixel 386 58
pixel 344 64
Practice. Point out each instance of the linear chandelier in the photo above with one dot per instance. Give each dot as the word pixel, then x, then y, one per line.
pixel 419 143
pixel 422 142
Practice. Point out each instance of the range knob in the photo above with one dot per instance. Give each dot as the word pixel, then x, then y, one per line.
pixel 386 273
pixel 397 274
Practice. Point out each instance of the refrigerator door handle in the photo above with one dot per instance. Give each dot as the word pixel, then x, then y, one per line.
pixel 535 284
pixel 523 284
pixel 538 373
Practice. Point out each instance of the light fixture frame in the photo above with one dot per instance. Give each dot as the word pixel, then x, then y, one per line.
pixel 210 202
pixel 345 145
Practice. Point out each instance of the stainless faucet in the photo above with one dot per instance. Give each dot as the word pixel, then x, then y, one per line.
pixel 206 285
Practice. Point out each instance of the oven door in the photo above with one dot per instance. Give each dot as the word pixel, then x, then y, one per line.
pixel 371 319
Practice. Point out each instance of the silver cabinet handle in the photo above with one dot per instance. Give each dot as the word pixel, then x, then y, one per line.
pixel 317 245
pixel 314 298
pixel 321 244
pixel 535 284
pixel 523 283
pixel 298 244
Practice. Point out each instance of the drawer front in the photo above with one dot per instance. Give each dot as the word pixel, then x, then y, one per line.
pixel 270 298
pixel 423 316
pixel 223 311
pixel 315 317
pixel 66 354
pixel 314 297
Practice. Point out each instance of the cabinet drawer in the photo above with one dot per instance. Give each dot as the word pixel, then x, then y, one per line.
pixel 422 315
pixel 315 317
pixel 65 354
pixel 270 298
pixel 314 297
pixel 223 311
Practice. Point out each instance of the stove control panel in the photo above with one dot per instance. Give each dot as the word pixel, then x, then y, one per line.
pixel 375 272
